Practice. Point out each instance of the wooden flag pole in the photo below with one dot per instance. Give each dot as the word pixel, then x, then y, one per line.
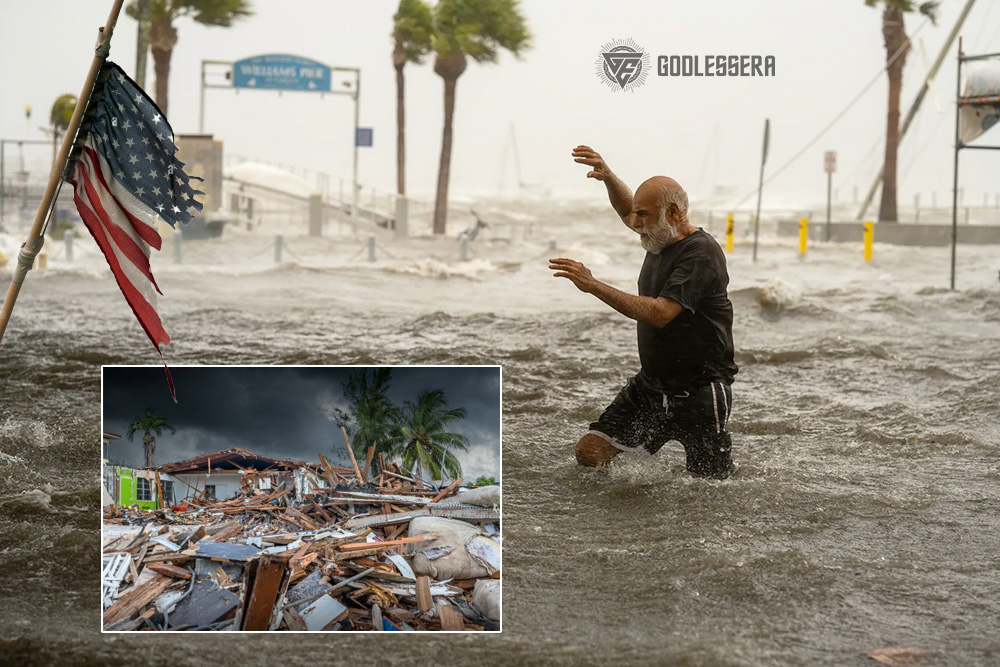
pixel 26 257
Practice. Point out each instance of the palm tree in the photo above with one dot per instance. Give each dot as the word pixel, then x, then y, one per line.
pixel 371 413
pixel 897 45
pixel 412 26
pixel 465 29
pixel 149 424
pixel 163 34
pixel 423 444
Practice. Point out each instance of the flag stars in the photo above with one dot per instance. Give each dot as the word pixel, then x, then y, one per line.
pixel 114 142
pixel 129 142
pixel 145 140
pixel 136 175
pixel 138 98
pixel 152 173
pixel 159 207
pixel 149 157
pixel 175 209
pixel 157 191
pixel 140 191
pixel 156 120
pixel 127 125
pixel 133 159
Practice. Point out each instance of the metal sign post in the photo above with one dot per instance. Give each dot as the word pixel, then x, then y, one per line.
pixel 991 99
pixel 760 186
pixel 829 166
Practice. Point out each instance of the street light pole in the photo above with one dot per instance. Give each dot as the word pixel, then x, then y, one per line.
pixel 354 190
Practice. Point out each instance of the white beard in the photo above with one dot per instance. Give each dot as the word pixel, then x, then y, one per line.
pixel 659 237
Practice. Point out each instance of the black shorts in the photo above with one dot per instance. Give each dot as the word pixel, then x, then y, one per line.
pixel 641 416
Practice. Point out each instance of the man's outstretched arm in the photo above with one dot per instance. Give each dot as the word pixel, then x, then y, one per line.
pixel 618 192
pixel 657 311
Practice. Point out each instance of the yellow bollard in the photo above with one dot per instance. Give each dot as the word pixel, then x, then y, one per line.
pixel 869 238
pixel 803 235
pixel 730 230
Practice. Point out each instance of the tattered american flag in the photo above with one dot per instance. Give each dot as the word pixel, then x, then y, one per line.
pixel 126 178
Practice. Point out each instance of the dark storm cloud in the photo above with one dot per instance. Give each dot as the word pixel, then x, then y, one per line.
pixel 285 412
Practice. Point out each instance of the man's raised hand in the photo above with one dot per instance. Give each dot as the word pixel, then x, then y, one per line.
pixel 579 274
pixel 588 156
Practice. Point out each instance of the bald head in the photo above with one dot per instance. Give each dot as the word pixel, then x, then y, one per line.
pixel 666 196
pixel 660 212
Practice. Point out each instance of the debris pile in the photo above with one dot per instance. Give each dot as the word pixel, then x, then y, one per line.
pixel 390 553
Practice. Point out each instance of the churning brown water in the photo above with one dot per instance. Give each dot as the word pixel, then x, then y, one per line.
pixel 866 512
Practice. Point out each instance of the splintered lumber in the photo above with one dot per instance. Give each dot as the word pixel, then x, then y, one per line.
pixel 170 570
pixel 264 593
pixel 368 460
pixel 377 617
pixel 451 619
pixel 329 473
pixel 465 512
pixel 447 490
pixel 224 533
pixel 424 600
pixel 136 599
pixel 378 498
pixel 350 450
pixel 385 546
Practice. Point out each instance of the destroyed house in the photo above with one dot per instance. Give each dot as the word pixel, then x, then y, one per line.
pixel 212 477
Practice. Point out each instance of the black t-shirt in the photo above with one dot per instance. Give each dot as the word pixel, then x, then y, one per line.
pixel 696 347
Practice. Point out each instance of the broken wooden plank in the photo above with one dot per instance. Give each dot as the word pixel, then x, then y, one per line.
pixel 264 589
pixel 451 619
pixel 424 600
pixel 447 490
pixel 137 598
pixel 170 570
pixel 385 546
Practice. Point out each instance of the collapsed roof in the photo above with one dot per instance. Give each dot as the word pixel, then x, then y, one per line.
pixel 234 458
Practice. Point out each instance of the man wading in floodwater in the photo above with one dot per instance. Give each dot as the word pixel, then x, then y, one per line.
pixel 685 329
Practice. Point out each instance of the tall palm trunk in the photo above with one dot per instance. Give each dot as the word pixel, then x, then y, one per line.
pixel 148 448
pixel 444 169
pixel 894 33
pixel 399 61
pixel 162 40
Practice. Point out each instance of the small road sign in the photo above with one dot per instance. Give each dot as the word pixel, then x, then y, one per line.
pixel 830 161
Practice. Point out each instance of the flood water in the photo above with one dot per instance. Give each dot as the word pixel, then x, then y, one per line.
pixel 865 514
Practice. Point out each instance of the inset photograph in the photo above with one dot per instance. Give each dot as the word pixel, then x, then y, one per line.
pixel 301 498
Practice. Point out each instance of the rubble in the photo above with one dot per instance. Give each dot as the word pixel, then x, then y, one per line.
pixel 302 547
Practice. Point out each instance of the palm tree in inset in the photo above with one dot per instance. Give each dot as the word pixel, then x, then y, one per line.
pixel 163 34
pixel 897 45
pixel 150 425
pixel 371 415
pixel 465 29
pixel 423 442
pixel 412 26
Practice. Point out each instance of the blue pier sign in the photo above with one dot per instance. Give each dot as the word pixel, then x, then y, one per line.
pixel 281 72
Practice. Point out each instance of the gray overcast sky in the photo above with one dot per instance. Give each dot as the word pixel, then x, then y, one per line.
pixel 284 411
pixel 826 51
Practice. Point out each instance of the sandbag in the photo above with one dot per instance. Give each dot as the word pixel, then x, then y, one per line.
pixel 461 550
pixel 486 598
pixel 484 496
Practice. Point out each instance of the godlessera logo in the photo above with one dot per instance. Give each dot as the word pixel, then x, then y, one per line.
pixel 622 64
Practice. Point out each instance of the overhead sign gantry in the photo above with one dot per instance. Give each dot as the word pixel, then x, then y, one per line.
pixel 284 72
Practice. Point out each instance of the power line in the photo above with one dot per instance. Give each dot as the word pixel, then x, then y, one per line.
pixel 812 142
